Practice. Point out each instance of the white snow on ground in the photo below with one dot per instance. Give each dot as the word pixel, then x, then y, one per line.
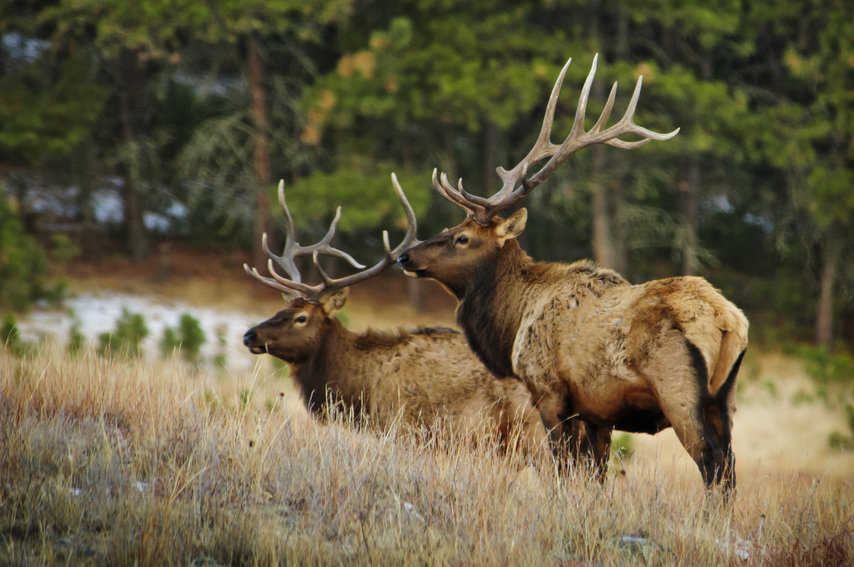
pixel 98 313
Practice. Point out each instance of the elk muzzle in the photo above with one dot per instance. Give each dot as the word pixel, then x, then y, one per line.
pixel 410 267
pixel 253 342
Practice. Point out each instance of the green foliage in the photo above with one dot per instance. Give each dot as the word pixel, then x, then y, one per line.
pixel 76 339
pixel 827 367
pixel 245 398
pixel 169 342
pixel 844 441
pixel 23 263
pixel 126 339
pixel 46 112
pixel 220 359
pixel 365 195
pixel 10 336
pixel 622 446
pixel 187 338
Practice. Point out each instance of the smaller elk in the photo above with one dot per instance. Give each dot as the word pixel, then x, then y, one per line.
pixel 420 376
pixel 589 345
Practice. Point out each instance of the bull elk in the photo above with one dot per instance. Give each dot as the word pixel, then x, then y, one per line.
pixel 423 375
pixel 589 345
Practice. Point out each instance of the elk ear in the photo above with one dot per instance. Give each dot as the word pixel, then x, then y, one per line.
pixel 334 301
pixel 511 227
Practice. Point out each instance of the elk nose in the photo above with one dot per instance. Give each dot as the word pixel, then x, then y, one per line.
pixel 403 258
pixel 249 337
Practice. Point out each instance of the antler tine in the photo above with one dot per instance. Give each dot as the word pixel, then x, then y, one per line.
pixel 409 239
pixel 610 136
pixel 269 281
pixel 606 111
pixel 543 147
pixel 516 184
pixel 293 248
pixel 323 246
pixel 293 283
pixel 286 259
pixel 444 188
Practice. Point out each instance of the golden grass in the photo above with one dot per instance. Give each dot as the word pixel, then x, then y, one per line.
pixel 115 462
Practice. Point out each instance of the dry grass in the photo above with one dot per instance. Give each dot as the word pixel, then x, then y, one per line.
pixel 115 462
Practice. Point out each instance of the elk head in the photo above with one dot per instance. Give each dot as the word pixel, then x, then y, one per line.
pixel 456 252
pixel 454 255
pixel 294 333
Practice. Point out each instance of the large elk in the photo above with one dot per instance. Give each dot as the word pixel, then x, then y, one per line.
pixel 420 376
pixel 589 345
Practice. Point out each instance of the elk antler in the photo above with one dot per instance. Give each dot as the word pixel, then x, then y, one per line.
pixel 514 184
pixel 292 249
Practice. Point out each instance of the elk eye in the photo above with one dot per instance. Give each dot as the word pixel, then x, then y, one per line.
pixel 462 239
pixel 301 319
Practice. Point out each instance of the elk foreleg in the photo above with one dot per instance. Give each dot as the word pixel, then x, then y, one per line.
pixel 591 443
pixel 574 440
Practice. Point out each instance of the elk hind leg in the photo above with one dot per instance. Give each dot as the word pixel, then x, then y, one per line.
pixel 718 415
pixel 679 373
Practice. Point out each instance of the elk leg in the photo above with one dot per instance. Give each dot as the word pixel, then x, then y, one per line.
pixel 716 416
pixel 685 417
pixel 679 373
pixel 560 430
pixel 593 443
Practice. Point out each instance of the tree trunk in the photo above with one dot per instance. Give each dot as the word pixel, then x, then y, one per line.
pixel 134 83
pixel 831 252
pixel 621 261
pixel 603 244
pixel 261 150
pixel 618 159
pixel 689 205
pixel 604 251
pixel 490 153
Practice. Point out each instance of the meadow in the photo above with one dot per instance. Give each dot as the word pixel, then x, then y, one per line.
pixel 117 461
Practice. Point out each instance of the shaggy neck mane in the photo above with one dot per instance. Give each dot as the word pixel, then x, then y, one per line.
pixel 320 369
pixel 490 309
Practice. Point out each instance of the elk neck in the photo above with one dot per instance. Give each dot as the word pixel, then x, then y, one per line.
pixel 328 367
pixel 490 308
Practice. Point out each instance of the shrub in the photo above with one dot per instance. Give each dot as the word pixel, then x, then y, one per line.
pixel 220 359
pixel 844 441
pixel 10 337
pixel 169 342
pixel 827 367
pixel 76 340
pixel 23 263
pixel 187 338
pixel 622 446
pixel 24 267
pixel 127 337
pixel 831 372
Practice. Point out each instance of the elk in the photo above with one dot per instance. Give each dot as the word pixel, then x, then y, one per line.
pixel 588 344
pixel 421 376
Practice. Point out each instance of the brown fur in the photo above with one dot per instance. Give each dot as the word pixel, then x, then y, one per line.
pixel 636 357
pixel 419 376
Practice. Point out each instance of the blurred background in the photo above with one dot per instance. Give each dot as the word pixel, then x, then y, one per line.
pixel 140 144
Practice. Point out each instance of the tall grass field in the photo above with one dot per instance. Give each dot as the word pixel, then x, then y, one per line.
pixel 114 461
